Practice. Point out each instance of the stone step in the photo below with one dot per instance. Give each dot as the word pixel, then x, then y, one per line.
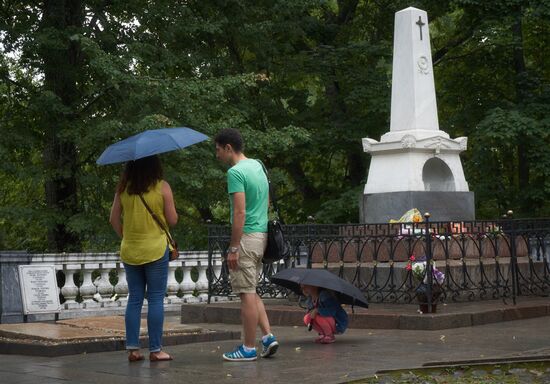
pixel 382 316
pixel 93 334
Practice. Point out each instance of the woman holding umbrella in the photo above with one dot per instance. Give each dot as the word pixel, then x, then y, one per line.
pixel 142 210
pixel 144 248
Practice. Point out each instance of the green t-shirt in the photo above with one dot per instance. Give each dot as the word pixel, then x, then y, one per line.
pixel 249 177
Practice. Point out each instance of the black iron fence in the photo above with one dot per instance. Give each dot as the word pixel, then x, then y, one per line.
pixel 428 261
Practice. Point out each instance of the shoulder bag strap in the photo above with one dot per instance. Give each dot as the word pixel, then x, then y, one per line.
pixel 272 193
pixel 157 220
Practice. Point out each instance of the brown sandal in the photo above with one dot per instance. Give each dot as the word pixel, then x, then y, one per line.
pixel 135 356
pixel 154 357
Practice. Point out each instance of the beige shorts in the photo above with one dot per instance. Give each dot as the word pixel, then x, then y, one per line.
pixel 245 279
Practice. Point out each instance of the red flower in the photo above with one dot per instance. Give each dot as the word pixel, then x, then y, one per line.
pixel 409 267
pixel 412 258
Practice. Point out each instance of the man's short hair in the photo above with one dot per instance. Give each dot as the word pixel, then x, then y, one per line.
pixel 230 136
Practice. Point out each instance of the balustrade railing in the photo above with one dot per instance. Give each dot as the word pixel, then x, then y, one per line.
pixel 97 281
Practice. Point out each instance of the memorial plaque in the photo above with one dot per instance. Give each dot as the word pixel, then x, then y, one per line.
pixel 39 289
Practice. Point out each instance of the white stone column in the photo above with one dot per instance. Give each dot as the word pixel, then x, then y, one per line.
pixel 187 284
pixel 70 289
pixel 121 287
pixel 88 289
pixel 104 286
pixel 172 287
pixel 202 282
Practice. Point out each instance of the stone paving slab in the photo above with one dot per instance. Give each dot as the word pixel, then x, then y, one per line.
pixel 97 334
pixel 357 354
pixel 115 324
pixel 51 332
pixel 383 316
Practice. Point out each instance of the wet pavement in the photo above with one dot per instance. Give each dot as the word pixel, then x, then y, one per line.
pixel 357 354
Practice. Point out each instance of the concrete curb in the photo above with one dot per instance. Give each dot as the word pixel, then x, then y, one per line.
pixel 49 349
pixel 487 361
pixel 466 363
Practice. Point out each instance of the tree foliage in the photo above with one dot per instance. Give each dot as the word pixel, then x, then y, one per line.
pixel 304 80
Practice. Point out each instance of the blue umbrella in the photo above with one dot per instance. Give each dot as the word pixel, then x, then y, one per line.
pixel 150 143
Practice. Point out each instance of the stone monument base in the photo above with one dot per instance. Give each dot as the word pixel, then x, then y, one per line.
pixel 443 206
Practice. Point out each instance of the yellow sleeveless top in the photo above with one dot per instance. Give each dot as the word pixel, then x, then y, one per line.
pixel 143 241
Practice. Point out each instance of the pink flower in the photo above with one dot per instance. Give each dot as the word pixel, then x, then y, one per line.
pixel 412 258
pixel 409 267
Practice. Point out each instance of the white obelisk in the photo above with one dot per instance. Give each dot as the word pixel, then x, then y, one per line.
pixel 413 104
pixel 415 164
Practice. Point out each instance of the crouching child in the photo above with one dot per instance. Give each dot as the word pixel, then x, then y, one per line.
pixel 324 313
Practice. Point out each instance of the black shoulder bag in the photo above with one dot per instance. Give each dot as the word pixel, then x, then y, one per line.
pixel 174 253
pixel 277 247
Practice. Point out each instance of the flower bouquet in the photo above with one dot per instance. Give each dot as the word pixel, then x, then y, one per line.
pixel 419 269
pixel 408 230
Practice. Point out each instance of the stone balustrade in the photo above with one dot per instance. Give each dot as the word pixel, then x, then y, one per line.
pixel 93 284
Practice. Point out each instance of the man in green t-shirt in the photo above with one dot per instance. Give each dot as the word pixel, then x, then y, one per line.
pixel 249 200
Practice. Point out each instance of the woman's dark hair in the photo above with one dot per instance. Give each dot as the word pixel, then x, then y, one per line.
pixel 230 136
pixel 140 175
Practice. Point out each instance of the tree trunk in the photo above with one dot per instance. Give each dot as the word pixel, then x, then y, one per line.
pixel 521 94
pixel 338 115
pixel 307 190
pixel 61 58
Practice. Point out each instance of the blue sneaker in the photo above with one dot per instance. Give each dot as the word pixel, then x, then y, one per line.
pixel 239 354
pixel 270 346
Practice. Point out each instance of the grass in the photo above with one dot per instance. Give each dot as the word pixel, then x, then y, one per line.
pixel 479 374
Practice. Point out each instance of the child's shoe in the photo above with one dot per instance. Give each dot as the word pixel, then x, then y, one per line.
pixel 329 339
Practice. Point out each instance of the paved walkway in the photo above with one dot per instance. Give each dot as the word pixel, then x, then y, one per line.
pixel 357 354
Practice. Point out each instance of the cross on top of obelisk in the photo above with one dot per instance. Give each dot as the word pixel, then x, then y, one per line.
pixel 420 25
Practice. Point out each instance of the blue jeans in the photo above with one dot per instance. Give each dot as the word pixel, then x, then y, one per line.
pixel 153 278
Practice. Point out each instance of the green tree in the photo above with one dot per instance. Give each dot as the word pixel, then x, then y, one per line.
pixel 304 80
pixel 502 102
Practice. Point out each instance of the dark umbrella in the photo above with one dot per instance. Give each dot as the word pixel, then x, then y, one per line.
pixel 292 278
pixel 150 143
